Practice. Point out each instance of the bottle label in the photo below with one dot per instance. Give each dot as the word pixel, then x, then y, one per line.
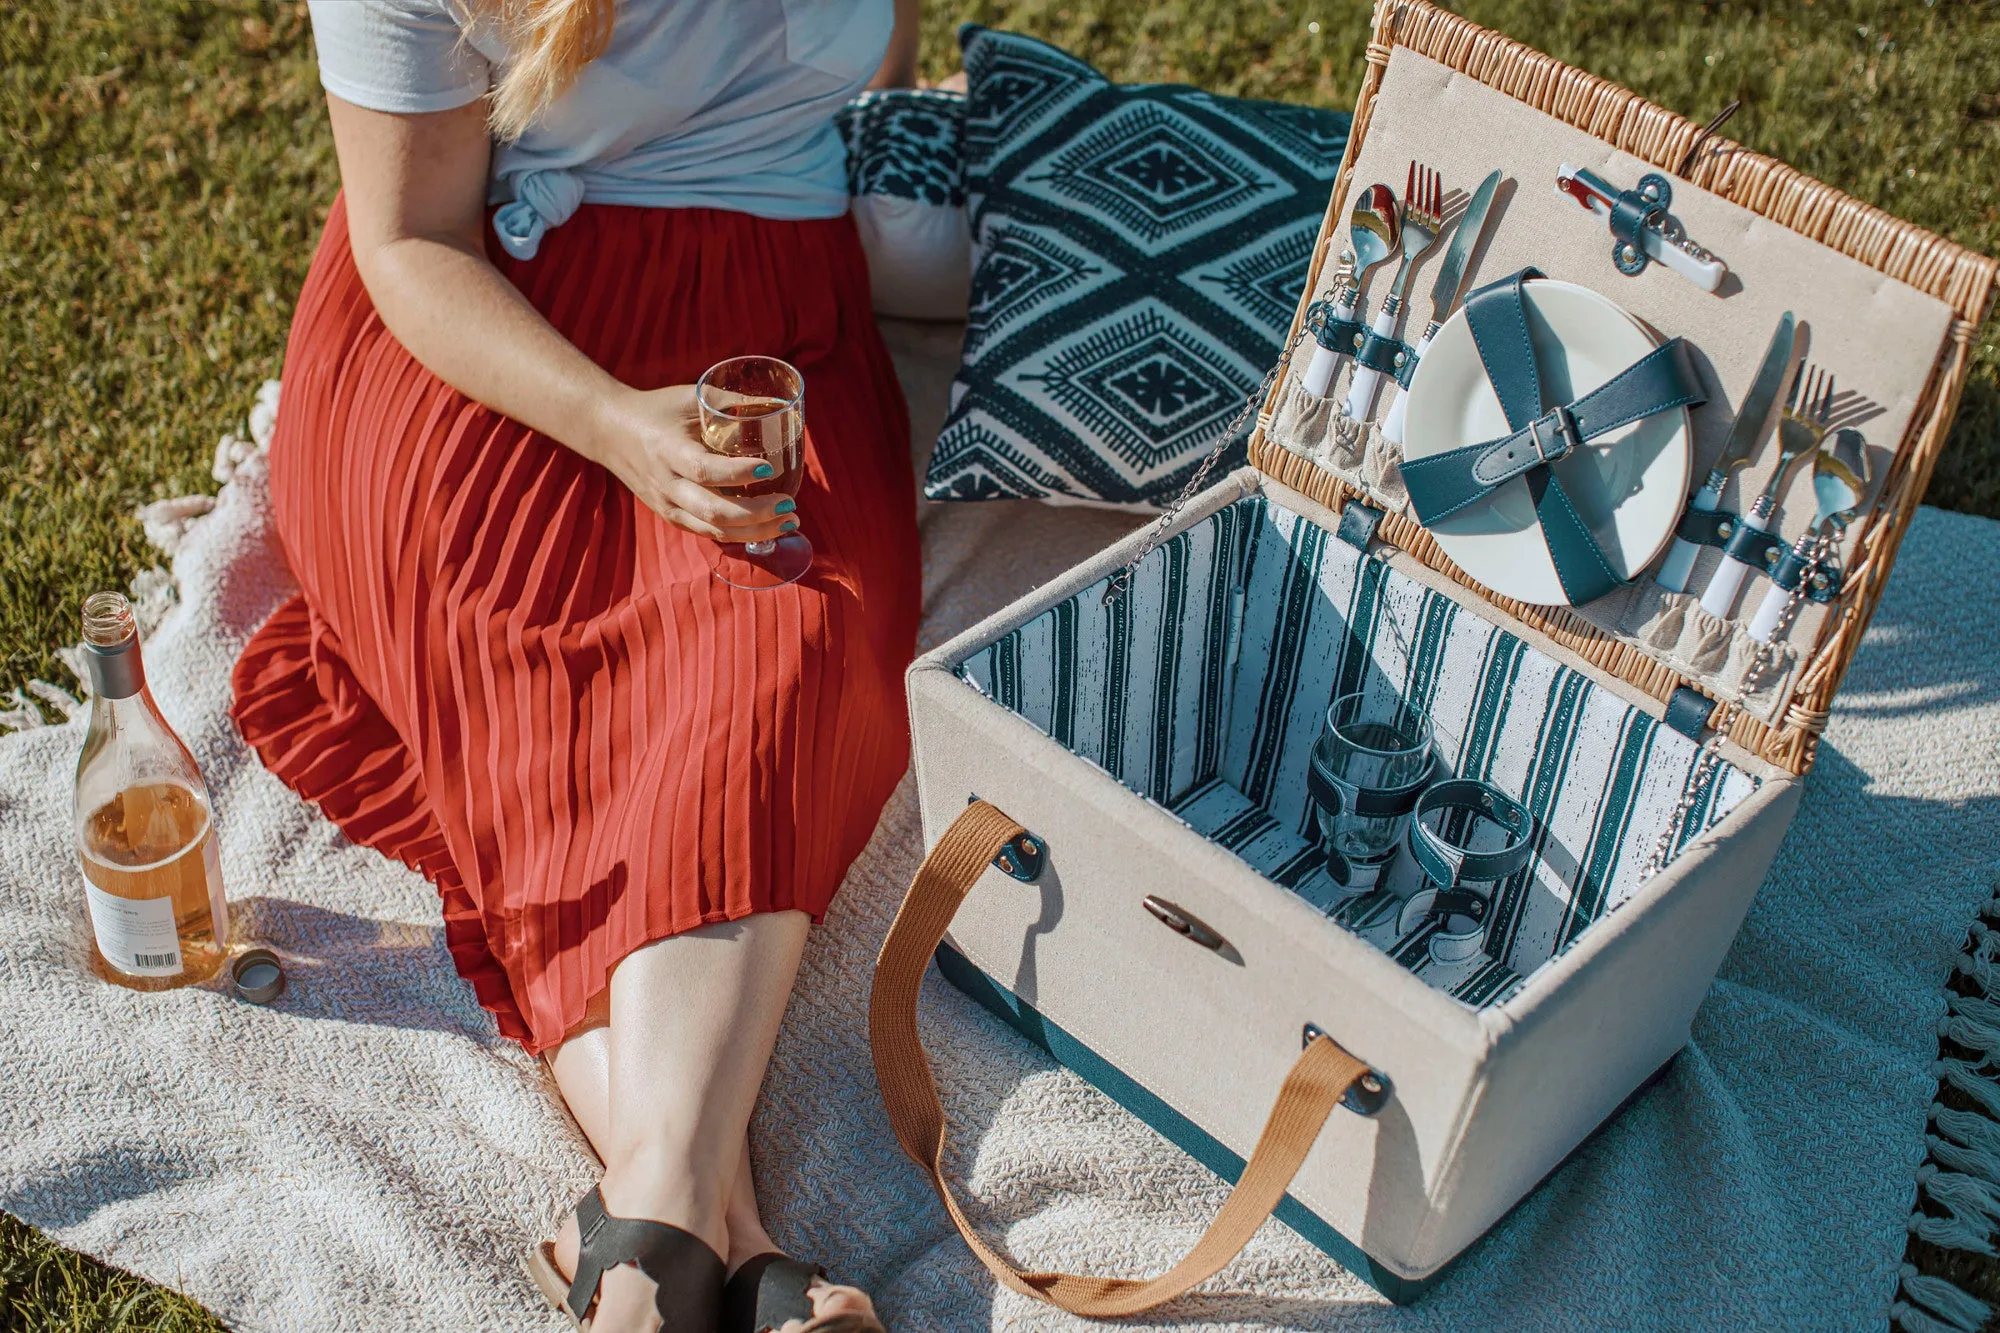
pixel 135 935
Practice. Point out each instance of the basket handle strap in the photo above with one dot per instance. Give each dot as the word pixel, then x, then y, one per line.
pixel 1320 1078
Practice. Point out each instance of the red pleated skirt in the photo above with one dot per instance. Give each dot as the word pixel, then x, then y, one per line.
pixel 507 673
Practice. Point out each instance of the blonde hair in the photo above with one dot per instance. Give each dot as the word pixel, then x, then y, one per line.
pixel 548 41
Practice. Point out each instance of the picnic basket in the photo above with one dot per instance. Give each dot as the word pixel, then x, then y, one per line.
pixel 1114 771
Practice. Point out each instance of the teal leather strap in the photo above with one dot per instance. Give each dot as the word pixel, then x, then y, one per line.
pixel 1384 356
pixel 1544 433
pixel 1759 550
pixel 1446 862
pixel 1350 337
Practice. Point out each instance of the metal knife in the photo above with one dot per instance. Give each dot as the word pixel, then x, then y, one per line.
pixel 1744 433
pixel 1444 291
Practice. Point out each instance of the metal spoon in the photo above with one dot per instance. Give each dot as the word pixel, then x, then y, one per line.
pixel 1840 484
pixel 1422 216
pixel 1374 230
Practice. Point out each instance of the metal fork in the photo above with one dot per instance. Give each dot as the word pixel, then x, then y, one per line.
pixel 1801 426
pixel 1422 219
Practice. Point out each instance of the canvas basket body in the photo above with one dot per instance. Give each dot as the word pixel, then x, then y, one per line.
pixel 1165 924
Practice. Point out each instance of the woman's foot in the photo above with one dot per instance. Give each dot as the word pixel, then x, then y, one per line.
pixel 628 1299
pixel 830 1301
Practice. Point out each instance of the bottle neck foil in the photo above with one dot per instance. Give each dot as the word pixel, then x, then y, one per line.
pixel 116 672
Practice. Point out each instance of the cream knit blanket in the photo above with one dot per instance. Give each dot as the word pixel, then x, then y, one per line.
pixel 367 1154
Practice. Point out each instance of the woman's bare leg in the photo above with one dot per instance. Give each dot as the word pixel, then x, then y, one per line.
pixel 582 1066
pixel 665 1092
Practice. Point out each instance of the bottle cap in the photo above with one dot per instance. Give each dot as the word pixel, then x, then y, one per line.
pixel 111 646
pixel 258 975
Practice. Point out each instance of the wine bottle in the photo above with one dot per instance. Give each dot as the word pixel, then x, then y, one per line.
pixel 144 828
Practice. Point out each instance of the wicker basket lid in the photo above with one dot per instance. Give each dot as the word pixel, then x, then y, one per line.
pixel 1545 92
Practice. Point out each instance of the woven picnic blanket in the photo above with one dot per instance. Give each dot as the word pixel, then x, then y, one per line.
pixel 367 1153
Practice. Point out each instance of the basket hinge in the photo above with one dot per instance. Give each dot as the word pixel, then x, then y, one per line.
pixel 1688 712
pixel 1358 522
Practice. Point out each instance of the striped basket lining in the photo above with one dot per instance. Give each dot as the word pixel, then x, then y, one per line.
pixel 1203 691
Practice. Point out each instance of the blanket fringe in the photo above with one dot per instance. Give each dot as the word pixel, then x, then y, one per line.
pixel 1958 1185
pixel 154 593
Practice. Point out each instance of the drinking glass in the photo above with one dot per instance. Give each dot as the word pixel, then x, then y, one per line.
pixel 754 407
pixel 1371 741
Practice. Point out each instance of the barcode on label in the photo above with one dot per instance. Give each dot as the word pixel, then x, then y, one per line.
pixel 156 960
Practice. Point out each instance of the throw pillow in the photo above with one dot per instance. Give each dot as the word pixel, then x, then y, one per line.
pixel 1138 254
pixel 905 169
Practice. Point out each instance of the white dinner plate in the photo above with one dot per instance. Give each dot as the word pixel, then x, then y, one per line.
pixel 1628 485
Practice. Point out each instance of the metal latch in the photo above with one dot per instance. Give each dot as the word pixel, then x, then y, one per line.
pixel 1184 923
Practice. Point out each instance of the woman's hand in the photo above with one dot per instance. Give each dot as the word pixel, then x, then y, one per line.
pixel 651 441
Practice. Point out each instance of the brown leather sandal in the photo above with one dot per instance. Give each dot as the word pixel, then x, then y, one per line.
pixel 686 1273
pixel 772 1290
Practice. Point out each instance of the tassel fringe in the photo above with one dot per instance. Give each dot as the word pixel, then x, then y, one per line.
pixel 1958 1185
pixel 154 594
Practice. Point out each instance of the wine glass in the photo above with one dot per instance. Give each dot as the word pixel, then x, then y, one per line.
pixel 1373 744
pixel 754 407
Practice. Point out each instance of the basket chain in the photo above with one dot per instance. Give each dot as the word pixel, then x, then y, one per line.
pixel 1121 580
pixel 1761 658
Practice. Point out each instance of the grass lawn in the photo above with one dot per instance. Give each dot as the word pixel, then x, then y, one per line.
pixel 164 166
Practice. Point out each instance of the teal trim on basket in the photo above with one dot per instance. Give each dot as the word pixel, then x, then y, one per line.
pixel 1170 1124
pixel 1199 1144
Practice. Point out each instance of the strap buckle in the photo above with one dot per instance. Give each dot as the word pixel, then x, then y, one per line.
pixel 1562 427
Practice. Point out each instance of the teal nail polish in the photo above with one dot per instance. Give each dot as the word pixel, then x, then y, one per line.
pixel 785 507
pixel 763 470
pixel 788 526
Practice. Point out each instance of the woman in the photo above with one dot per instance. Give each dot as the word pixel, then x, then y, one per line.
pixel 510 666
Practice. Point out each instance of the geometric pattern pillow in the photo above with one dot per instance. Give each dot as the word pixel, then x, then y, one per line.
pixel 905 171
pixel 906 143
pixel 1138 252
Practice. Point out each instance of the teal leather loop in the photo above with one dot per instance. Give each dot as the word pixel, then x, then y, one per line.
pixel 1358 523
pixel 1341 335
pixel 1631 214
pixel 1338 796
pixel 1350 872
pixel 1447 863
pixel 1448 903
pixel 1378 353
pixel 1688 712
pixel 1759 550
pixel 1825 584
pixel 1543 432
pixel 1791 568
pixel 1406 369
pixel 1708 527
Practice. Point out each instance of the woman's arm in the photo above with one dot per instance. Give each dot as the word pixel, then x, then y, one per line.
pixel 899 67
pixel 416 211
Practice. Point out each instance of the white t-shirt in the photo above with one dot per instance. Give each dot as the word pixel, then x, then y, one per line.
pixel 695 104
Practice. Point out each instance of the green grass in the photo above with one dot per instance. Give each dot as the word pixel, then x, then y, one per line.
pixel 164 166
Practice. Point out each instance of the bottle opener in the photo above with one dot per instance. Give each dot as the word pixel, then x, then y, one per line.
pixel 1642 228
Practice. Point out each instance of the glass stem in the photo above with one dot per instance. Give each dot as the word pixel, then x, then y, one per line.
pixel 759 548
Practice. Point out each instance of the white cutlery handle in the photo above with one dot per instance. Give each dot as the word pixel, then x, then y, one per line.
pixel 1361 393
pixel 1674 570
pixel 1706 274
pixel 1769 614
pixel 1720 599
pixel 1325 361
pixel 1392 428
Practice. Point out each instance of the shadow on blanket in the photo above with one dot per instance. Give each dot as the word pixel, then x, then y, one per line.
pixel 354 969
